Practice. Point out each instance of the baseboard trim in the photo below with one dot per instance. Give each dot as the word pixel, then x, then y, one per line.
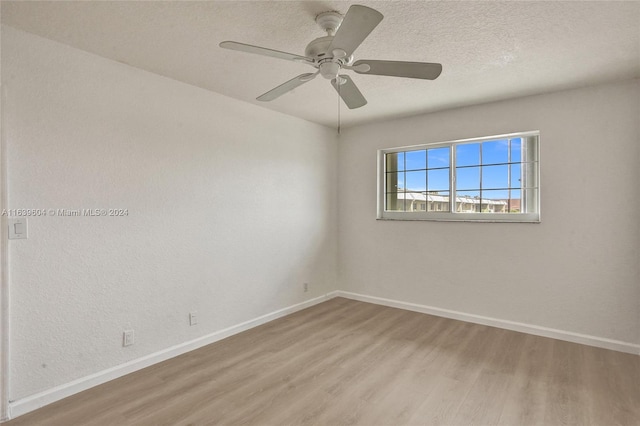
pixel 553 333
pixel 33 402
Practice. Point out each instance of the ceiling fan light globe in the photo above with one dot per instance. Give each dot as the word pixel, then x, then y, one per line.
pixel 329 70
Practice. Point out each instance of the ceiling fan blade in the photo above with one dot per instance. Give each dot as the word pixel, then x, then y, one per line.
pixel 349 92
pixel 356 26
pixel 242 47
pixel 286 87
pixel 424 70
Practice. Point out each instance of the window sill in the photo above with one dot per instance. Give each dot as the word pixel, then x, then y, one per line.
pixel 463 217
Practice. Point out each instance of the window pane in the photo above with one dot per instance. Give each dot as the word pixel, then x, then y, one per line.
pixel 415 160
pixel 468 154
pixel 394 201
pixel 420 206
pixel 516 178
pixel 438 180
pixel 516 150
pixel 468 201
pixel 514 203
pixel 494 177
pixel 394 182
pixel 495 152
pixel 438 157
pixel 395 161
pixel 494 201
pixel 438 202
pixel 468 178
pixel 413 200
pixel 416 181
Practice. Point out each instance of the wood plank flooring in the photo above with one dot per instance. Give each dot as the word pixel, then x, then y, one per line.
pixel 345 362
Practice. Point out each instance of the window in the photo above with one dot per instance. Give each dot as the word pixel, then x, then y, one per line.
pixel 492 179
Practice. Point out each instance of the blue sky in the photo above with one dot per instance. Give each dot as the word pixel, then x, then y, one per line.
pixel 428 170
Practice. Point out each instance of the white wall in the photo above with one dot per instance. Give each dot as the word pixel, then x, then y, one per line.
pixel 578 271
pixel 231 208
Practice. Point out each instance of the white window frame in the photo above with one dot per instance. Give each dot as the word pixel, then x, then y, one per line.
pixel 452 215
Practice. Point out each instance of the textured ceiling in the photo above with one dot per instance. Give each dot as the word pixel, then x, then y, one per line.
pixel 489 50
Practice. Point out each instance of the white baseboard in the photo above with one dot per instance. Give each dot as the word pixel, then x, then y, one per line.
pixel 33 402
pixel 553 333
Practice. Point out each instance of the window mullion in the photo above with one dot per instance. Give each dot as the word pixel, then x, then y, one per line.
pixel 426 180
pixel 524 170
pixel 509 176
pixel 452 178
pixel 480 178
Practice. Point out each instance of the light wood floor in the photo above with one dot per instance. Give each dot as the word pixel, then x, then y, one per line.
pixel 347 362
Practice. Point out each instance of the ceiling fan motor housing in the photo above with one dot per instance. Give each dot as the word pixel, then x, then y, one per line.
pixel 328 64
pixel 319 48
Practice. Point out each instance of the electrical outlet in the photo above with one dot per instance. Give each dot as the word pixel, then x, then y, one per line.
pixel 127 338
pixel 193 318
pixel 305 286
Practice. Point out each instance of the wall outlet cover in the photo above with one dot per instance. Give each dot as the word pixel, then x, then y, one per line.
pixel 127 338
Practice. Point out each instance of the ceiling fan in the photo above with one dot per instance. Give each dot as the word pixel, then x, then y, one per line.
pixel 334 52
